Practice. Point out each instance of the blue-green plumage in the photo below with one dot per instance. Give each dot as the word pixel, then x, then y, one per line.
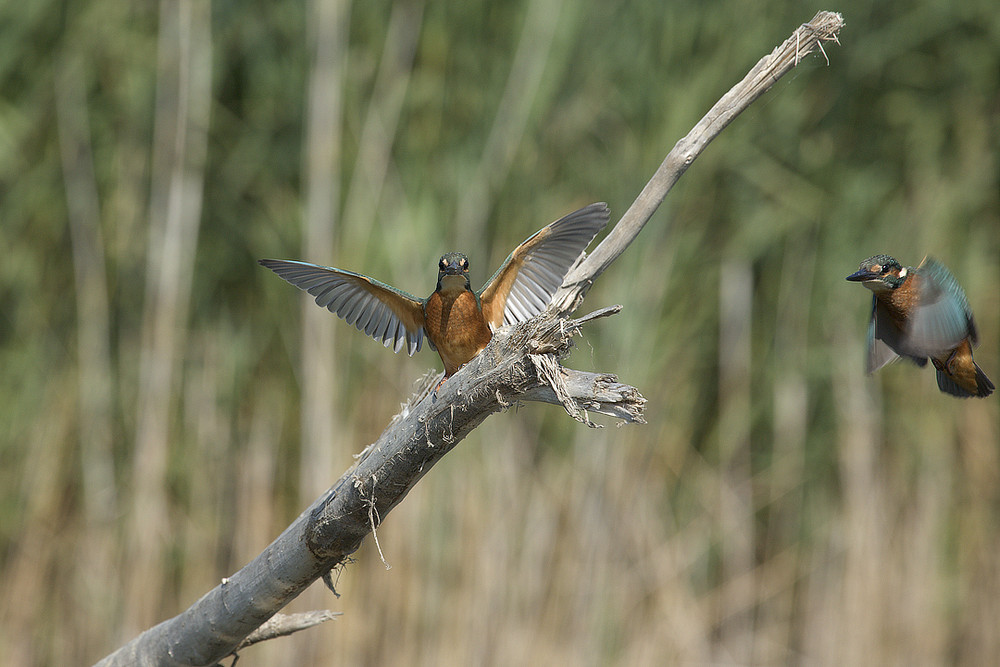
pixel 922 313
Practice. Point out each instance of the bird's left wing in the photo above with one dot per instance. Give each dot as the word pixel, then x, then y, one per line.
pixel 942 318
pixel 524 284
pixel 390 316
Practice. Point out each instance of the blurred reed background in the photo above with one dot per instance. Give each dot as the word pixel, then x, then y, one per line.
pixel 169 406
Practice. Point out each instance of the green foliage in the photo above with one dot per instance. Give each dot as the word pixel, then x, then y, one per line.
pixel 778 506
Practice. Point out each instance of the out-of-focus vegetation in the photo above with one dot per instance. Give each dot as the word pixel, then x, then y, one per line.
pixel 165 416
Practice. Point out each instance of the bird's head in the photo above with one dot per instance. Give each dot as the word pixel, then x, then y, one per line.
pixel 880 273
pixel 453 271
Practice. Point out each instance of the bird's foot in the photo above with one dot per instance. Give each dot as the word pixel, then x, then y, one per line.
pixel 434 393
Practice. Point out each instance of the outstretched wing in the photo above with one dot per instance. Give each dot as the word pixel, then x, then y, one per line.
pixel 942 318
pixel 524 284
pixel 390 316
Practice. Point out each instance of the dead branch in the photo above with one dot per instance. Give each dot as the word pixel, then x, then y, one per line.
pixel 809 37
pixel 520 364
pixel 282 625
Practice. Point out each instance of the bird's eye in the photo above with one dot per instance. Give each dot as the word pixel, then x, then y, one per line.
pixel 443 265
pixel 465 265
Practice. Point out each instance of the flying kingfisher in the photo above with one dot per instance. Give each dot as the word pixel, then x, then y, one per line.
pixel 922 313
pixel 457 322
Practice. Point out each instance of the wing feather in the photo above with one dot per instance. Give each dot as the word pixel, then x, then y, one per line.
pixel 524 284
pixel 882 338
pixel 886 342
pixel 390 316
pixel 377 330
pixel 943 317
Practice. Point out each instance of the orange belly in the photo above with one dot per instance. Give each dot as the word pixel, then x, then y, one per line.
pixel 456 327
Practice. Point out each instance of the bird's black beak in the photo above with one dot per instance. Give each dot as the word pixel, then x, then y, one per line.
pixel 862 275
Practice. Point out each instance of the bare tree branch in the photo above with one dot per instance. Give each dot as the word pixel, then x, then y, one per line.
pixel 520 363
pixel 809 37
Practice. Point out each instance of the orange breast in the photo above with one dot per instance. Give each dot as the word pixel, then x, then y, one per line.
pixel 456 327
pixel 901 301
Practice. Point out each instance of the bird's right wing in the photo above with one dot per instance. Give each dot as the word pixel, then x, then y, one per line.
pixel 390 316
pixel 881 338
pixel 885 340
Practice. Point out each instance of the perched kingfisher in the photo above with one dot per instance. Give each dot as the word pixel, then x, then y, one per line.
pixel 458 322
pixel 922 313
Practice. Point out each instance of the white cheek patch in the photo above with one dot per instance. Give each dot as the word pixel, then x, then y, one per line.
pixel 902 272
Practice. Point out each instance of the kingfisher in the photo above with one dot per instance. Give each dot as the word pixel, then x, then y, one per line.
pixel 457 321
pixel 920 313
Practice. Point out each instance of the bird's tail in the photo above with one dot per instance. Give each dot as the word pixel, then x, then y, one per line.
pixel 947 383
pixel 983 383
